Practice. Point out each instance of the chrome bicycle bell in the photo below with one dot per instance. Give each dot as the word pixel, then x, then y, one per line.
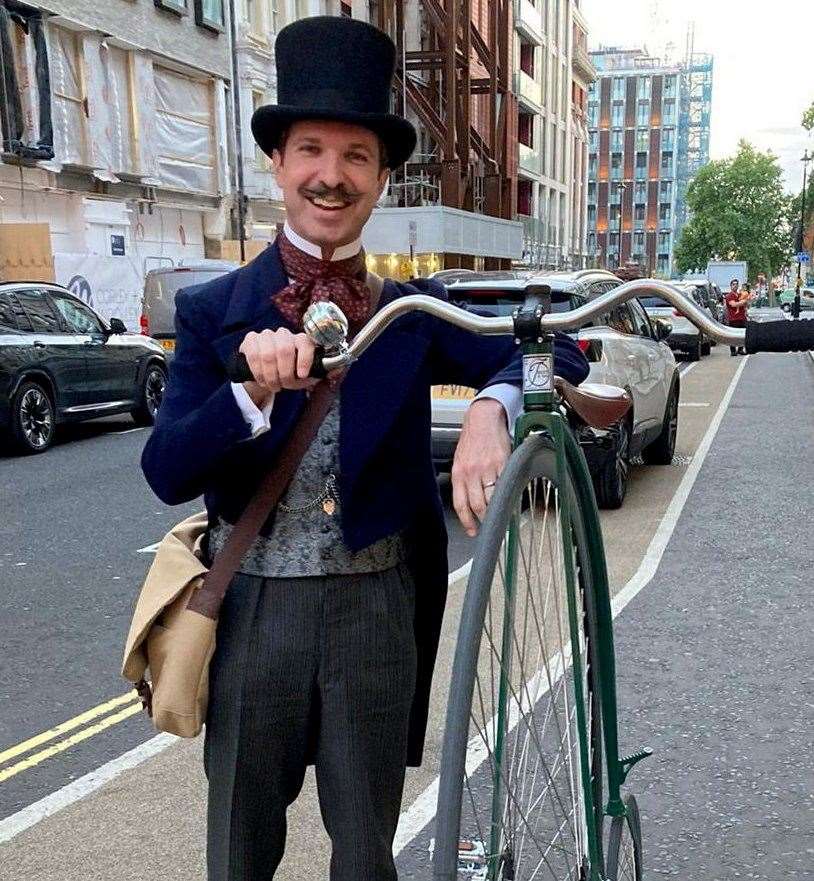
pixel 326 326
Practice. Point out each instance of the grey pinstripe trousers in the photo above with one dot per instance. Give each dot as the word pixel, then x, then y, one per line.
pixel 309 669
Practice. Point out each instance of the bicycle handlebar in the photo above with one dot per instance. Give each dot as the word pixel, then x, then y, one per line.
pixel 768 336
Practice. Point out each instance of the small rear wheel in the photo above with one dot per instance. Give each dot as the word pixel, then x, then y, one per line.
pixel 152 394
pixel 624 861
pixel 706 348
pixel 694 353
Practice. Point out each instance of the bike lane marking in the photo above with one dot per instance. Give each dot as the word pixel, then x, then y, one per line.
pixel 413 820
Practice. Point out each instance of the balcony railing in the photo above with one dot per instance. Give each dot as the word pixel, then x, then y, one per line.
pixel 530 160
pixel 529 21
pixel 528 90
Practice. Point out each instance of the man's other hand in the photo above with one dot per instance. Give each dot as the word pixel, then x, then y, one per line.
pixel 482 452
pixel 278 359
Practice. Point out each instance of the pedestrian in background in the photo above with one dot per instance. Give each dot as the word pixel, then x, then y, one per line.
pixel 736 304
pixel 761 290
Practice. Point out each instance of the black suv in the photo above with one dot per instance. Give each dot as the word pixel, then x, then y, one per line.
pixel 61 362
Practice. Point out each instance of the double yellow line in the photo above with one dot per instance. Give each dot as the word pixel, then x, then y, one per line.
pixel 130 704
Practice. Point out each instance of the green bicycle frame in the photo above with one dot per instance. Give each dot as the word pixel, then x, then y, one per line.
pixel 542 414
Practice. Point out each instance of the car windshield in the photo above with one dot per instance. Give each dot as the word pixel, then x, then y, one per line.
pixel 655 303
pixel 503 302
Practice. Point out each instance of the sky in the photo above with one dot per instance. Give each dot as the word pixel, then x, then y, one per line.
pixel 763 75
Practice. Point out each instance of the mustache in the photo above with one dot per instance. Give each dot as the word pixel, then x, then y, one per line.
pixel 323 191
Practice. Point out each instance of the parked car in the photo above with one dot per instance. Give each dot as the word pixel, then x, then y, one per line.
pixel 60 362
pixel 624 349
pixel 785 299
pixel 701 294
pixel 160 288
pixel 685 336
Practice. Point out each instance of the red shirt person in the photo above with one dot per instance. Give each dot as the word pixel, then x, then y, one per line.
pixel 736 304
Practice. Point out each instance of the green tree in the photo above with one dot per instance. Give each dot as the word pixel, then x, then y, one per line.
pixel 808 118
pixel 738 212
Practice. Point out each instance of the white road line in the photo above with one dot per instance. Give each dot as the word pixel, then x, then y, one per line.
pixel 73 792
pixel 695 404
pixel 130 430
pixel 688 367
pixel 422 810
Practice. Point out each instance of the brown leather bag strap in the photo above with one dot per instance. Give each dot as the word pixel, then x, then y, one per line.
pixel 208 598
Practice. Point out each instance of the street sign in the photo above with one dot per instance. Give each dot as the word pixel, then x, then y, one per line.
pixel 802 257
pixel 413 227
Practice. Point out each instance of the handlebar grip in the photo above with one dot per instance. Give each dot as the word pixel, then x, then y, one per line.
pixel 779 336
pixel 237 367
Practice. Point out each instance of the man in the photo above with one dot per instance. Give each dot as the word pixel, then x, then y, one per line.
pixel 328 633
pixel 761 290
pixel 736 303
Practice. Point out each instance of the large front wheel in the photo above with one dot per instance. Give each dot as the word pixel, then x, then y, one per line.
pixel 520 793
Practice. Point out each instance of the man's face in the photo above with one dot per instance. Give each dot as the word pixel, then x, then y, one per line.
pixel 331 177
pixel 733 287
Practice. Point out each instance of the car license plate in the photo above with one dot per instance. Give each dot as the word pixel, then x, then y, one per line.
pixel 453 392
pixel 169 345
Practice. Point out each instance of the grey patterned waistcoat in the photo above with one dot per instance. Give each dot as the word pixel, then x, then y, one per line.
pixel 311 542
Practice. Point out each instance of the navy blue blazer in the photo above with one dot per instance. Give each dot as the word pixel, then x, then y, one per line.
pixel 201 444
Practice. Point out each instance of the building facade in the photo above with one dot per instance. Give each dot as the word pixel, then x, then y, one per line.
pixel 649 134
pixel 114 133
pixel 551 82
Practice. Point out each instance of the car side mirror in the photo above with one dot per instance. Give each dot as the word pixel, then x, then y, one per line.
pixel 117 326
pixel 662 328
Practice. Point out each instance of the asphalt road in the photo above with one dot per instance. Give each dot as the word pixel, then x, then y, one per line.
pixel 712 667
pixel 70 567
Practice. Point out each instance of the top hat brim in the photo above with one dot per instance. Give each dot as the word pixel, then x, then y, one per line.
pixel 398 135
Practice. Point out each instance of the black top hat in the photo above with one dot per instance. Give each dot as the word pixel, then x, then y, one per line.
pixel 335 68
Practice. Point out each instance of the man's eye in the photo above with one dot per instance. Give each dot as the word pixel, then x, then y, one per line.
pixel 359 157
pixel 308 148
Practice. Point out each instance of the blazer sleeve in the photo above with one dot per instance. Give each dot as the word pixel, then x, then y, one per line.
pixel 199 420
pixel 465 358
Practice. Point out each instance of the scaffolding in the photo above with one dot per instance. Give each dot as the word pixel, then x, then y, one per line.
pixel 695 107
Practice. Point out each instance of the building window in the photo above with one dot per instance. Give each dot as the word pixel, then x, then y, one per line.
pixel 665 191
pixel 592 191
pixel 593 114
pixel 613 239
pixel 591 243
pixel 593 139
pixel 527 58
pixel 668 115
pixel 618 88
pixel 666 161
pixel 525 128
pixel 68 98
pixel 617 139
pixel 345 10
pixel 643 113
pixel 592 165
pixel 638 241
pixel 618 114
pixel 638 212
pixel 664 213
pixel 664 263
pixel 668 138
pixel 616 166
pixel 592 215
pixel 178 6
pixel 524 197
pixel 209 14
pixel 640 192
pixel 642 138
pixel 669 87
pixel 664 241
pixel 643 87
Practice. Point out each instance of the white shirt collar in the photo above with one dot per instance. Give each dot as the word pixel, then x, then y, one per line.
pixel 342 253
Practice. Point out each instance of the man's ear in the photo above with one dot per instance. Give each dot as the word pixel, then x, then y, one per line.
pixel 276 161
pixel 384 176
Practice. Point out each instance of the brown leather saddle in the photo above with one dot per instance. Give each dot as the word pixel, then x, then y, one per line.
pixel 597 404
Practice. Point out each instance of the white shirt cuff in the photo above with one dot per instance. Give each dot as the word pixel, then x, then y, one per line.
pixel 258 420
pixel 510 396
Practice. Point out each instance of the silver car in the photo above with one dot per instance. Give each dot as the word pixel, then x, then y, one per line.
pixel 623 349
pixel 685 336
pixel 160 288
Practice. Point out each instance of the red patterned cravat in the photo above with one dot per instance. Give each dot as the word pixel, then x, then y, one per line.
pixel 313 280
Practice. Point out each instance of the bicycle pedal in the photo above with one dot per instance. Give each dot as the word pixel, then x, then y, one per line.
pixel 627 762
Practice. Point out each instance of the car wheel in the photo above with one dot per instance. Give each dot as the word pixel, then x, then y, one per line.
pixel 32 419
pixel 694 354
pixel 706 348
pixel 152 394
pixel 786 307
pixel 662 449
pixel 610 483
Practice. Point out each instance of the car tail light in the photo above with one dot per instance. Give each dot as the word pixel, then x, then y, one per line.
pixel 144 324
pixel 592 349
pixel 584 345
pixel 678 314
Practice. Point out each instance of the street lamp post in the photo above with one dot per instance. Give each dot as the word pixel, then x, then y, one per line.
pixel 622 188
pixel 795 310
